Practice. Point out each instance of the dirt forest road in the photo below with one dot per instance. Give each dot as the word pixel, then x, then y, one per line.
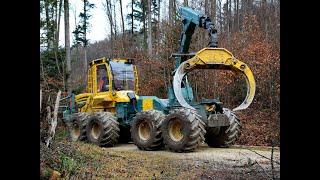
pixel 235 155
pixel 79 160
pixel 239 160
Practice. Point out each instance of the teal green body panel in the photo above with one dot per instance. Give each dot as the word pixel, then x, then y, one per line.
pixel 186 92
pixel 158 104
pixel 125 113
pixel 70 109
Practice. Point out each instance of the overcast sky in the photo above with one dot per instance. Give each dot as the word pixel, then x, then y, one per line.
pixel 99 23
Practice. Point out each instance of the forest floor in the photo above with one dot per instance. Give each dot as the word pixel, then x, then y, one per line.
pixel 78 160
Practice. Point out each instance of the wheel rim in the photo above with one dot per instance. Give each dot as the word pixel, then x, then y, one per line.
pixel 75 132
pixel 175 131
pixel 144 131
pixel 95 131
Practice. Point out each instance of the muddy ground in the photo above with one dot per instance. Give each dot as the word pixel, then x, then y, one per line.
pixel 78 160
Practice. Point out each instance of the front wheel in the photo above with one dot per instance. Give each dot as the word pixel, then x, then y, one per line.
pixel 103 129
pixel 183 130
pixel 145 130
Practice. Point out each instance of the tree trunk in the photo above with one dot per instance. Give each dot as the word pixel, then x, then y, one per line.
pixel 122 26
pixel 228 23
pixel 185 2
pixel 238 18
pixel 46 6
pixel 115 22
pixel 234 19
pixel 85 23
pixel 122 21
pixel 67 43
pixel 158 29
pixel 213 11
pixel 40 99
pixel 132 3
pixel 63 78
pixel 85 60
pixel 109 14
pixel 243 12
pixel 266 19
pixel 206 8
pixel 229 16
pixel 49 116
pixel 56 35
pixel 171 12
pixel 144 22
pixel 54 120
pixel 149 29
pixel 174 11
pixel 220 16
pixel 58 24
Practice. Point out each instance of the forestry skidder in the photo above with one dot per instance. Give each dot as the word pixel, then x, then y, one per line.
pixel 111 105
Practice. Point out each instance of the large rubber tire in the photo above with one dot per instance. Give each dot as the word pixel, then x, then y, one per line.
pixel 76 126
pixel 224 136
pixel 146 130
pixel 183 130
pixel 103 129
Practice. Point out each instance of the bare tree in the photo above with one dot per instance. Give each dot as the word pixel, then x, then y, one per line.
pixel 46 7
pixel 143 2
pixel 220 14
pixel 85 37
pixel 40 98
pixel 149 29
pixel 115 21
pixel 213 10
pixel 158 28
pixel 185 2
pixel 132 3
pixel 108 9
pixel 56 32
pixel 122 25
pixel 171 12
pixel 67 43
pixel 238 17
pixel 122 21
pixel 58 23
pixel 206 8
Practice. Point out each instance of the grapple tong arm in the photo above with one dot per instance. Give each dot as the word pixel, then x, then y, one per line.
pixel 214 58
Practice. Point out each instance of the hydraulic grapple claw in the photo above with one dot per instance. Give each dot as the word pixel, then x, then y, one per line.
pixel 214 58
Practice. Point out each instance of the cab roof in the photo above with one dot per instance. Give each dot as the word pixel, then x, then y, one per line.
pixel 106 60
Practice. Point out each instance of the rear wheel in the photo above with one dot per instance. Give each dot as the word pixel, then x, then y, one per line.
pixel 103 129
pixel 145 130
pixel 183 130
pixel 76 126
pixel 224 136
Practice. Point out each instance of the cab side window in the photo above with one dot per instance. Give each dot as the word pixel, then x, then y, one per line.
pixel 102 79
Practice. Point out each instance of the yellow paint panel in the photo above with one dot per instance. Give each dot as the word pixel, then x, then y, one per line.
pixel 147 104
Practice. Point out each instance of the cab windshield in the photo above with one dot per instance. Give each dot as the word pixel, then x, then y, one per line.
pixel 123 76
